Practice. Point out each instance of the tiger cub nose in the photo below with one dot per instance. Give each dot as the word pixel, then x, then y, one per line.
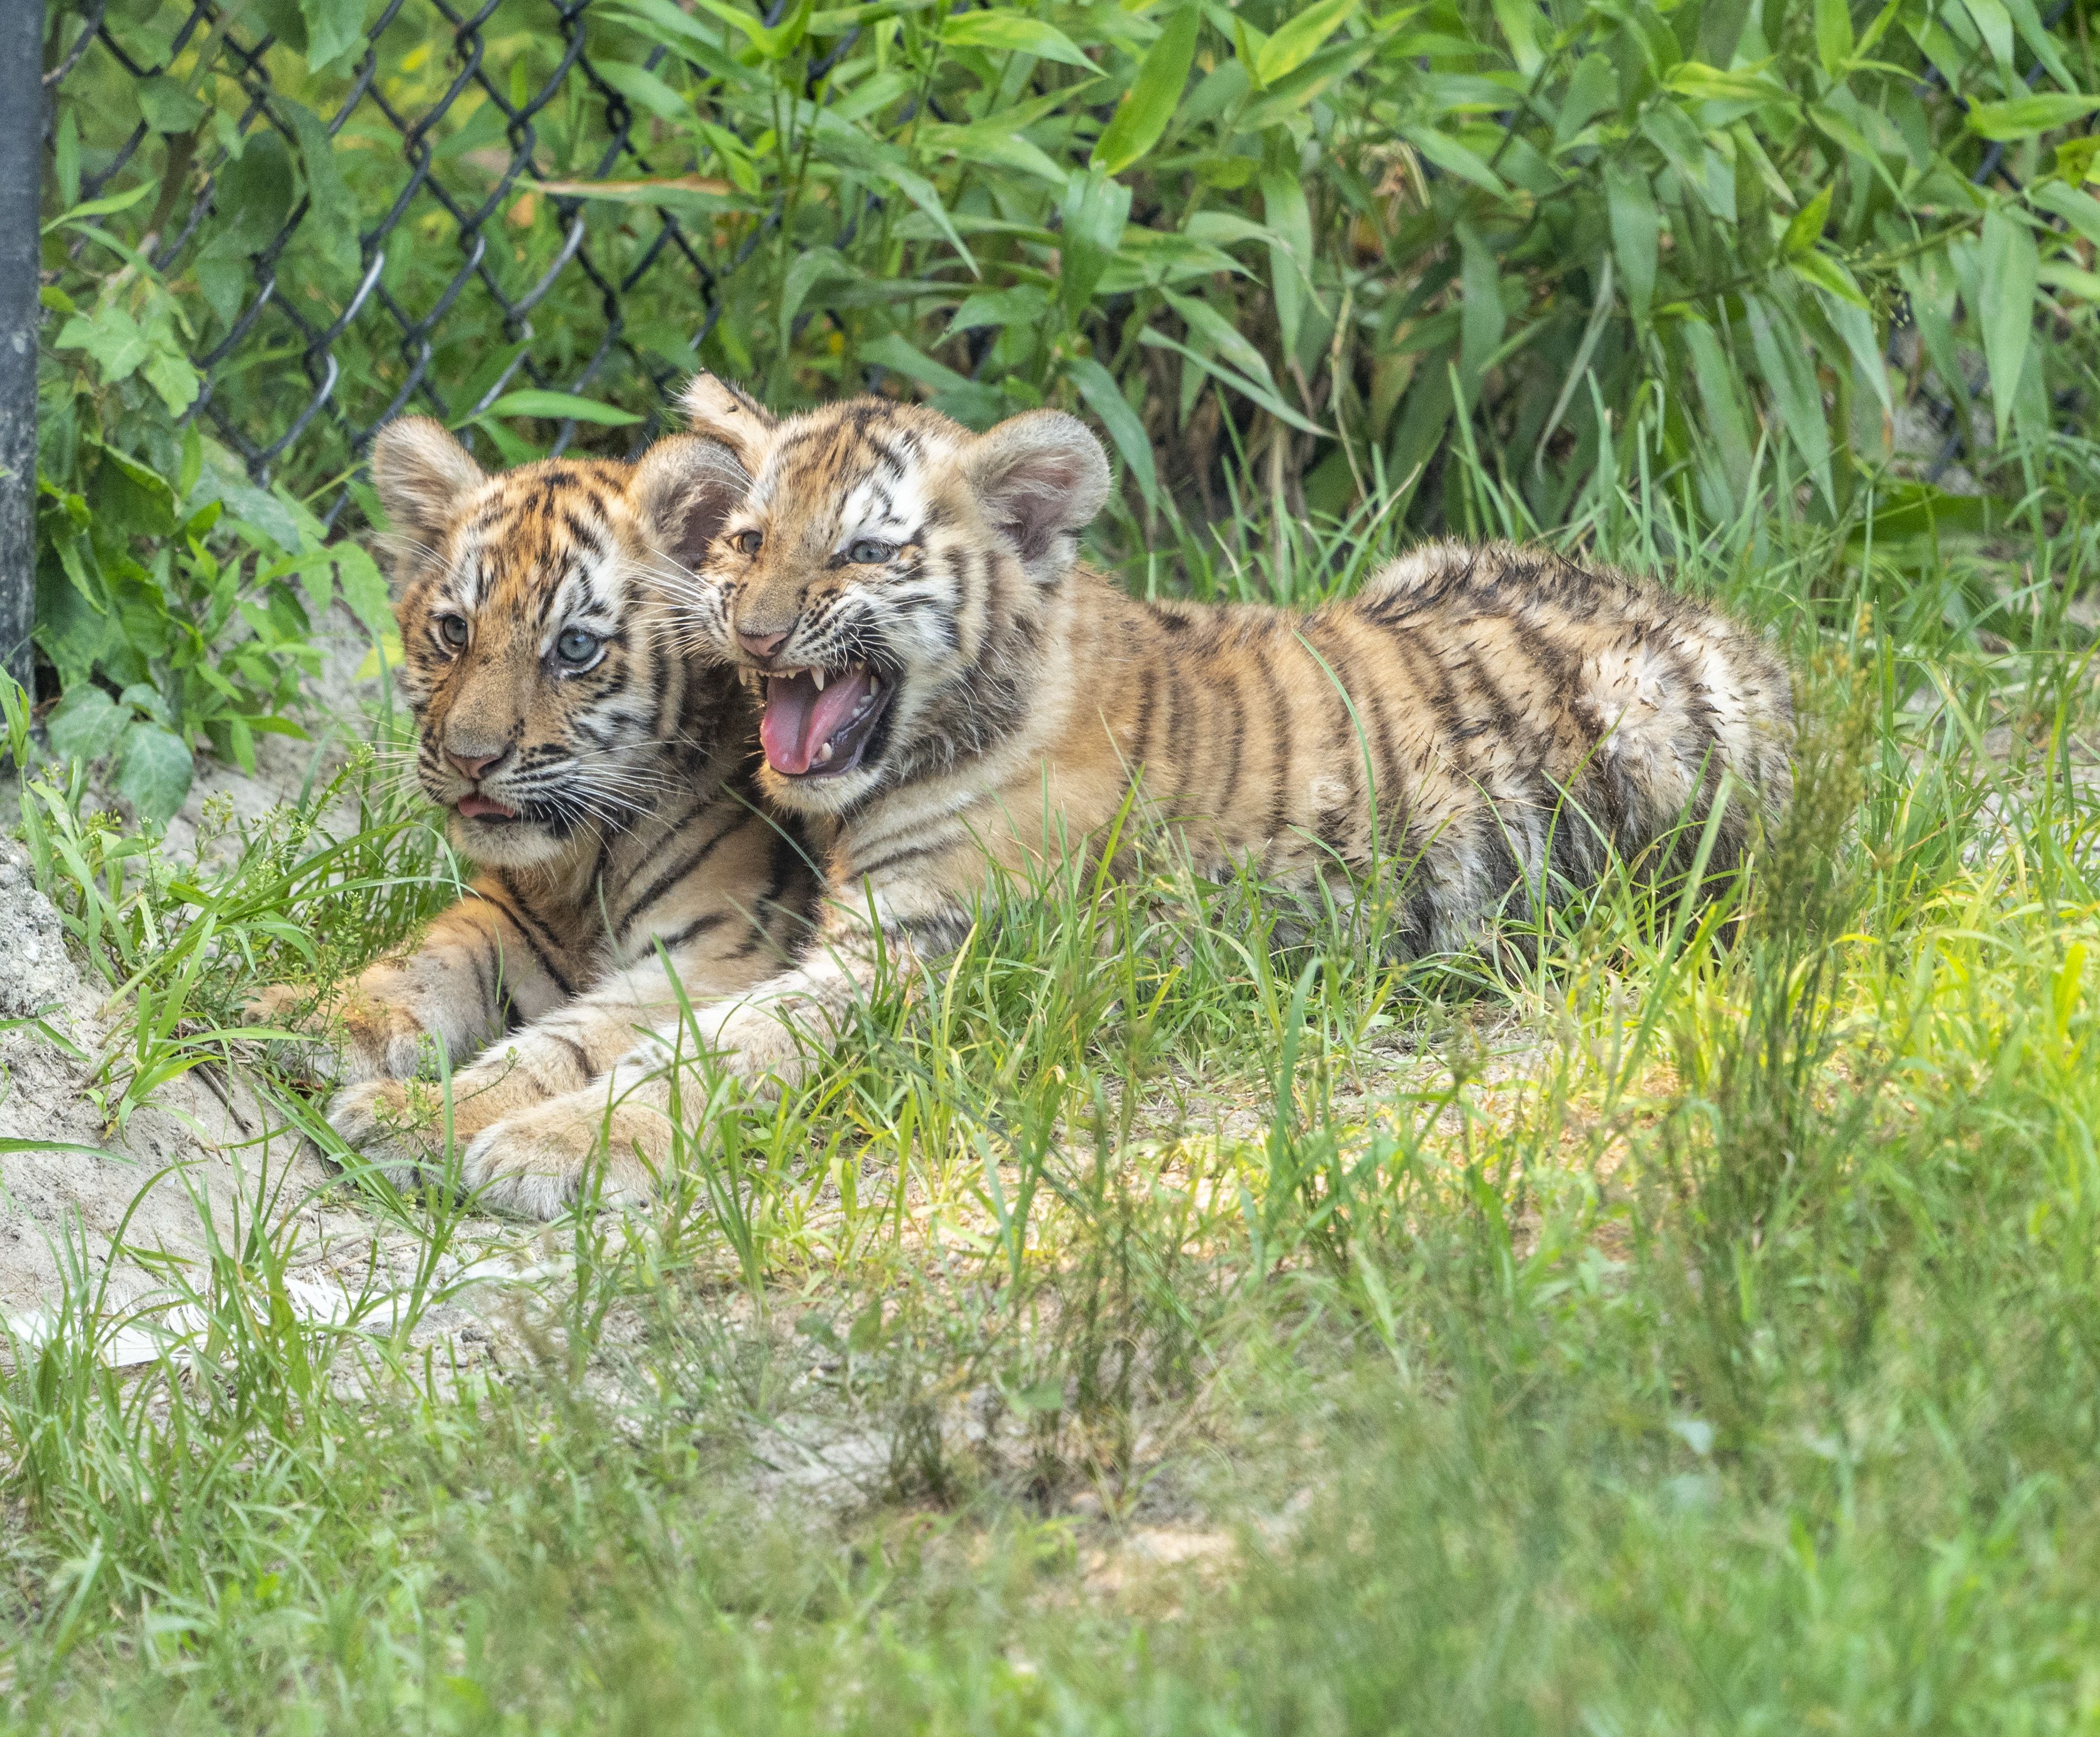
pixel 761 644
pixel 475 768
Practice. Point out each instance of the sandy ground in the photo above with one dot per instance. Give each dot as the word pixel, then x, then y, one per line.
pixel 91 1208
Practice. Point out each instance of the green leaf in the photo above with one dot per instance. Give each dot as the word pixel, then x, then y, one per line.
pixel 645 90
pixel 1784 358
pixel 1264 395
pixel 1098 387
pixel 364 588
pixel 1141 116
pixel 1806 229
pixel 1720 390
pixel 167 107
pixel 1708 84
pixel 2008 283
pixel 1482 319
pixel 1222 335
pixel 1016 33
pixel 86 725
pixel 2081 210
pixel 1290 250
pixel 112 337
pixel 808 269
pixel 154 767
pixel 1826 273
pixel 331 223
pixel 2026 116
pixel 1297 40
pixel 1019 304
pixel 1833 34
pixel 1636 234
pixel 1095 210
pixel 333 27
pixel 1453 158
pixel 1519 19
pixel 557 407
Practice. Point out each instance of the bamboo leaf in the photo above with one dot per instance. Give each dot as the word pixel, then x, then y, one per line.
pixel 1298 39
pixel 2026 116
pixel 1141 116
pixel 1266 396
pixel 1104 398
pixel 1785 358
pixel 1833 34
pixel 1636 233
pixel 1015 33
pixel 558 407
pixel 2009 282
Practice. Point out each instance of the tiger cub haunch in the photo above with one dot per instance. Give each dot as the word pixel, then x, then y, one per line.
pixel 600 776
pixel 943 679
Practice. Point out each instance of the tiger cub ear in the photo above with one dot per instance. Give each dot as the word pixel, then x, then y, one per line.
pixel 421 472
pixel 683 487
pixel 721 411
pixel 1042 477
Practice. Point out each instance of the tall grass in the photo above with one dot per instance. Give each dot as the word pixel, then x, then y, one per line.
pixel 1687 1319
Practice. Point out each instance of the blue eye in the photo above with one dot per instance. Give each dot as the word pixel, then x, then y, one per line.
pixel 869 552
pixel 452 631
pixel 576 646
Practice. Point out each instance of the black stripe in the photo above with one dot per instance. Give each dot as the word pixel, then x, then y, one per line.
pixel 540 952
pixel 908 854
pixel 698 927
pixel 1279 796
pixel 678 872
pixel 1140 733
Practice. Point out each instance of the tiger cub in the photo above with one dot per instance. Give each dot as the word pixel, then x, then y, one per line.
pixel 945 681
pixel 601 779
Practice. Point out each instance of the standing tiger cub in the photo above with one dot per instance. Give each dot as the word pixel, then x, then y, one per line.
pixel 601 779
pixel 944 681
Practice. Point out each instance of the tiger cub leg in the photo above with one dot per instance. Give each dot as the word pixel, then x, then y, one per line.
pixel 409 1124
pixel 627 1127
pixel 477 962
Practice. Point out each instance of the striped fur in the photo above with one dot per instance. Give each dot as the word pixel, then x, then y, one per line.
pixel 1433 721
pixel 637 840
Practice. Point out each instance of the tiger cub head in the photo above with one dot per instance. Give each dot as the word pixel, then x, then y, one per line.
pixel 537 659
pixel 883 576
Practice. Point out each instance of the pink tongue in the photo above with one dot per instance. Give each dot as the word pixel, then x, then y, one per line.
pixel 800 720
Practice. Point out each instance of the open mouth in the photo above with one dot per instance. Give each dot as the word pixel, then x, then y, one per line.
pixel 478 807
pixel 816 722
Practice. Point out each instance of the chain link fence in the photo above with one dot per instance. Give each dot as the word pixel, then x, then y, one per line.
pixel 388 234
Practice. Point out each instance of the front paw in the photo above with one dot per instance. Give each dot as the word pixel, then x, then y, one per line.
pixel 354 1036
pixel 397 1125
pixel 540 1162
pixel 303 1043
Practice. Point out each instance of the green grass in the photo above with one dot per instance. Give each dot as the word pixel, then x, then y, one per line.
pixel 1171 1325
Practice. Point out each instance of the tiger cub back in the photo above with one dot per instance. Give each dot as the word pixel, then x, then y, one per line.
pixel 945 681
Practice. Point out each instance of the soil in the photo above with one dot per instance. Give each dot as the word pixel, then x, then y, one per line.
pixel 129 1215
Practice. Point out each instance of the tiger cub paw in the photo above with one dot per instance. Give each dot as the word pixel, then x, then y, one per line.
pixel 538 1163
pixel 397 1125
pixel 352 1037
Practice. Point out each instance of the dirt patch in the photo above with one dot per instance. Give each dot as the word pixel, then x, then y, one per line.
pixel 133 1214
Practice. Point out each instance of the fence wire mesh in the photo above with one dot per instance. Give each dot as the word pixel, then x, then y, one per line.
pixel 387 236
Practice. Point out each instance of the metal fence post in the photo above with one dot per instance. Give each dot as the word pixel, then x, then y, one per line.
pixel 21 175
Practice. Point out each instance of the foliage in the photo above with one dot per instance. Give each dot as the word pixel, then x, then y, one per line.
pixel 175 599
pixel 1329 246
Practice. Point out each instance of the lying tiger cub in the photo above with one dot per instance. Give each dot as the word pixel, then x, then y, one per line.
pixel 599 776
pixel 944 679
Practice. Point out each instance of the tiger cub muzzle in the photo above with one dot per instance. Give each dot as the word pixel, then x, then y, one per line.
pixel 821 723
